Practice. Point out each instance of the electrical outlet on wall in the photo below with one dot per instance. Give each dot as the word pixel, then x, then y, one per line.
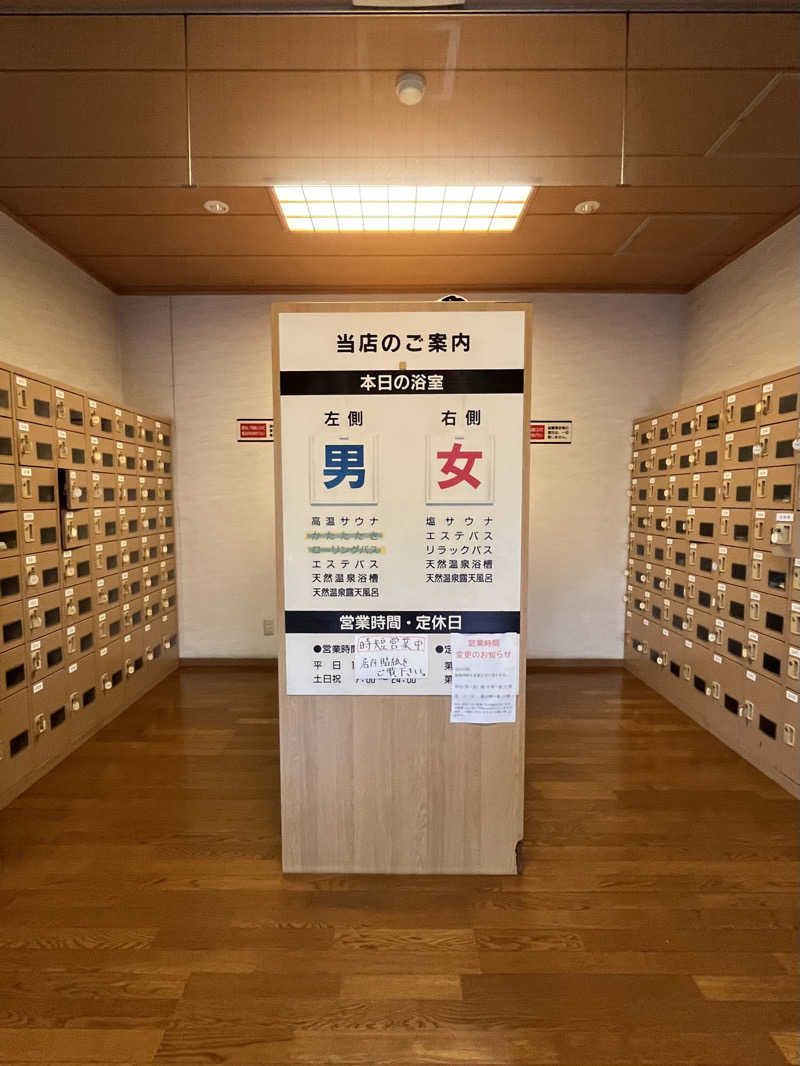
pixel 269 627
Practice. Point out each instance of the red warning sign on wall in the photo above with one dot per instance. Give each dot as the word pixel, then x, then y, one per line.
pixel 255 430
pixel 551 432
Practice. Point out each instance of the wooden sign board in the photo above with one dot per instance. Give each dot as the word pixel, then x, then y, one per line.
pixel 401 467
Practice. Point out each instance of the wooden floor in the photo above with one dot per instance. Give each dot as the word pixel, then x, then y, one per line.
pixel 144 918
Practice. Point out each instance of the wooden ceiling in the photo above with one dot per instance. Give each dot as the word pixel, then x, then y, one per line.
pixel 95 151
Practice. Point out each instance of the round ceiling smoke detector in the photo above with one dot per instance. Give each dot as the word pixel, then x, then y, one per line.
pixel 216 207
pixel 587 207
pixel 410 88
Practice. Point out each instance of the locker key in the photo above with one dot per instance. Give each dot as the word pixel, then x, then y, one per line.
pixel 40 724
pixel 748 710
pixel 61 409
pixel 25 444
pixel 34 618
pixel 97 456
pixel 72 642
pixel 62 447
pixel 106 682
pixel 94 418
pixel 794 616
pixel 36 660
pixel 779 534
pixel 74 701
pixel 796 575
pixel 130 669
pixel 31 576
pixel 793 666
pixel 168 643
pixel 148 654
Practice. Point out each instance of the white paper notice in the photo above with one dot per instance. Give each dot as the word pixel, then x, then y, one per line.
pixel 485 677
pixel 382 658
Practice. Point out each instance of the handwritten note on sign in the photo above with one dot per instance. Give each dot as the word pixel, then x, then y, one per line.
pixel 384 658
pixel 485 677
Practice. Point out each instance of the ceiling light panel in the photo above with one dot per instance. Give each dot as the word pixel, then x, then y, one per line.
pixel 402 208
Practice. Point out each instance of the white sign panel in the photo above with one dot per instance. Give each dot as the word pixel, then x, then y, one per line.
pixel 485 678
pixel 401 451
pixel 389 658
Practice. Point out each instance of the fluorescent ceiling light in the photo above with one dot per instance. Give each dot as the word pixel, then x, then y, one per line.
pixel 406 208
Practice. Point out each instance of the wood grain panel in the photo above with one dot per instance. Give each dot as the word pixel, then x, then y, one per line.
pixel 424 42
pixel 74 42
pixel 392 787
pixel 670 234
pixel 682 113
pixel 680 39
pixel 639 903
pixel 771 128
pixel 93 172
pixel 639 200
pixel 488 166
pixel 693 170
pixel 247 235
pixel 398 273
pixel 357 115
pixel 134 201
pixel 546 200
pixel 93 113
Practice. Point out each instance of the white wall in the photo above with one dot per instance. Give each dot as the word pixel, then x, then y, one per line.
pixel 54 319
pixel 598 359
pixel 744 322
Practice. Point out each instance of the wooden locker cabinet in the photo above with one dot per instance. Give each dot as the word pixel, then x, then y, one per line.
pixel 62 496
pixel 732 606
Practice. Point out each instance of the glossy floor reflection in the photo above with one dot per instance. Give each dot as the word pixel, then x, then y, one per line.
pixel 144 917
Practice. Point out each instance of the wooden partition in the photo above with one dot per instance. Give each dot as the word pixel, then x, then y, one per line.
pixel 375 777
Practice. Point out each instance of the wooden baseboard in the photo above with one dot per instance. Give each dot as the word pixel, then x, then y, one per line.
pixel 535 665
pixel 270 665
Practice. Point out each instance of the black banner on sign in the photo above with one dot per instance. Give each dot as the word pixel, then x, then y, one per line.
pixel 399 382
pixel 402 621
